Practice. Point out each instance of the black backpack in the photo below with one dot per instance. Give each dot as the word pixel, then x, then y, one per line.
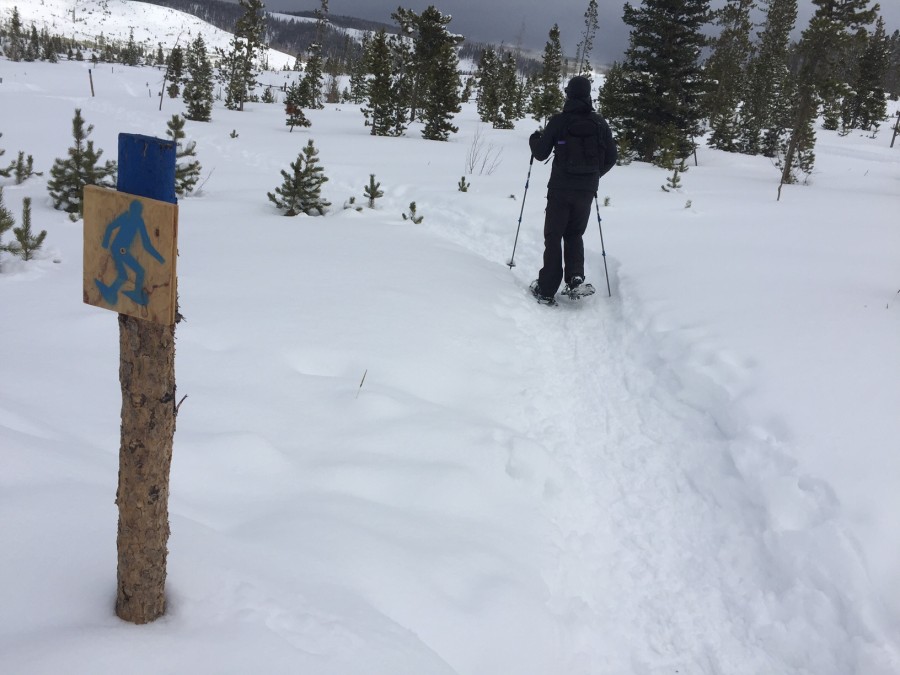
pixel 582 146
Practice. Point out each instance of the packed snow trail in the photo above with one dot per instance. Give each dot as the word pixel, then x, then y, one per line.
pixel 683 533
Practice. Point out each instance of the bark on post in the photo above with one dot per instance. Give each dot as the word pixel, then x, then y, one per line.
pixel 147 378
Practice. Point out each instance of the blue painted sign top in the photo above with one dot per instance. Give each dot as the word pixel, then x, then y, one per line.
pixel 147 167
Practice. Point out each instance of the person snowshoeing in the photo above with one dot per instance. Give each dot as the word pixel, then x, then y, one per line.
pixel 583 150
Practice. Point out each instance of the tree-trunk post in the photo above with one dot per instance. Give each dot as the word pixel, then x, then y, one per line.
pixel 147 378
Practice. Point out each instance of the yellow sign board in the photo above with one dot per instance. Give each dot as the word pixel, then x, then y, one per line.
pixel 130 248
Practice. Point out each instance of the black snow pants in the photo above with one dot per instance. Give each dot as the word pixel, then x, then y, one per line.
pixel 565 222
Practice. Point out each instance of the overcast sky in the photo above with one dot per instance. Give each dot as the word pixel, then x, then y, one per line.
pixel 529 21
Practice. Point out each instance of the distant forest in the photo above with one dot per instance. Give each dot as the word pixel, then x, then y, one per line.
pixel 295 37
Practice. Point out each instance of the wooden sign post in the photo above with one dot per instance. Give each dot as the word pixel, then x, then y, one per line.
pixel 130 246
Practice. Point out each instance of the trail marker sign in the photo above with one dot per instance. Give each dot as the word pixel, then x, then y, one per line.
pixel 130 249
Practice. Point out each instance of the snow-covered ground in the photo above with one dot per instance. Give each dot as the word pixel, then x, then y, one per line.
pixel 151 25
pixel 696 475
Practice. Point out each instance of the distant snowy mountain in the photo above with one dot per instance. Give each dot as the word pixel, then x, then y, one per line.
pixel 85 20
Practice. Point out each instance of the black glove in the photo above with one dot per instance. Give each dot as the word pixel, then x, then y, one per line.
pixel 536 135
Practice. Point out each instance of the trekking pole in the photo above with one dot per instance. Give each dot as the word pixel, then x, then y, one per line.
pixel 602 245
pixel 511 262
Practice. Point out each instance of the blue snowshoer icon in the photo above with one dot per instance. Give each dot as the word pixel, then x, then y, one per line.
pixel 129 224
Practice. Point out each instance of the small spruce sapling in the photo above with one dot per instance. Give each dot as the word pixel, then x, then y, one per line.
pixel 606 201
pixel 371 191
pixel 234 133
pixel 186 173
pixel 301 190
pixel 69 176
pixel 351 204
pixel 673 182
pixel 6 223
pixel 412 214
pixel 24 168
pixel 26 242
pixel 463 186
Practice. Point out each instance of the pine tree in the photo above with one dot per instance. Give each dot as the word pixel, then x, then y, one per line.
pixel 24 168
pixel 866 107
pixel 358 72
pixel 436 54
pixel 726 69
pixel 663 78
pixel 311 85
pixel 7 222
pixel 764 114
pixel 26 242
pixel 198 88
pixel 293 107
pixel 5 172
pixel 131 54
pixel 510 93
pixel 301 190
pixel 175 71
pixel 372 191
pixel 583 51
pixel 69 176
pixel 238 66
pixel 488 74
pixel 548 98
pixel 385 111
pixel 15 45
pixel 821 48
pixel 187 173
pixel 434 73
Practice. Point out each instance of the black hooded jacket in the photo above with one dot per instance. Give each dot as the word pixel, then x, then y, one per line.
pixel 542 144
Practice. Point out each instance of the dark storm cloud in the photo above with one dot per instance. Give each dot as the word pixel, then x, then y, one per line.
pixel 527 22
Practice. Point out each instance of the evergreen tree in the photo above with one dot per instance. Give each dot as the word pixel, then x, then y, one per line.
pixel 69 176
pixel 616 107
pixel 301 190
pixel 15 44
pixel 765 111
pixel 437 58
pixel 198 88
pixel 372 191
pixel 26 241
pixel 131 54
pixel 548 98
pixel 33 48
pixel 311 85
pixel 510 101
pixel 488 75
pixel 23 168
pixel 726 69
pixel 583 51
pixel 7 222
pixel 174 70
pixel 821 47
pixel 385 111
pixel 5 172
pixel 359 72
pixel 238 66
pixel 866 107
pixel 293 108
pixel 663 79
pixel 187 172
